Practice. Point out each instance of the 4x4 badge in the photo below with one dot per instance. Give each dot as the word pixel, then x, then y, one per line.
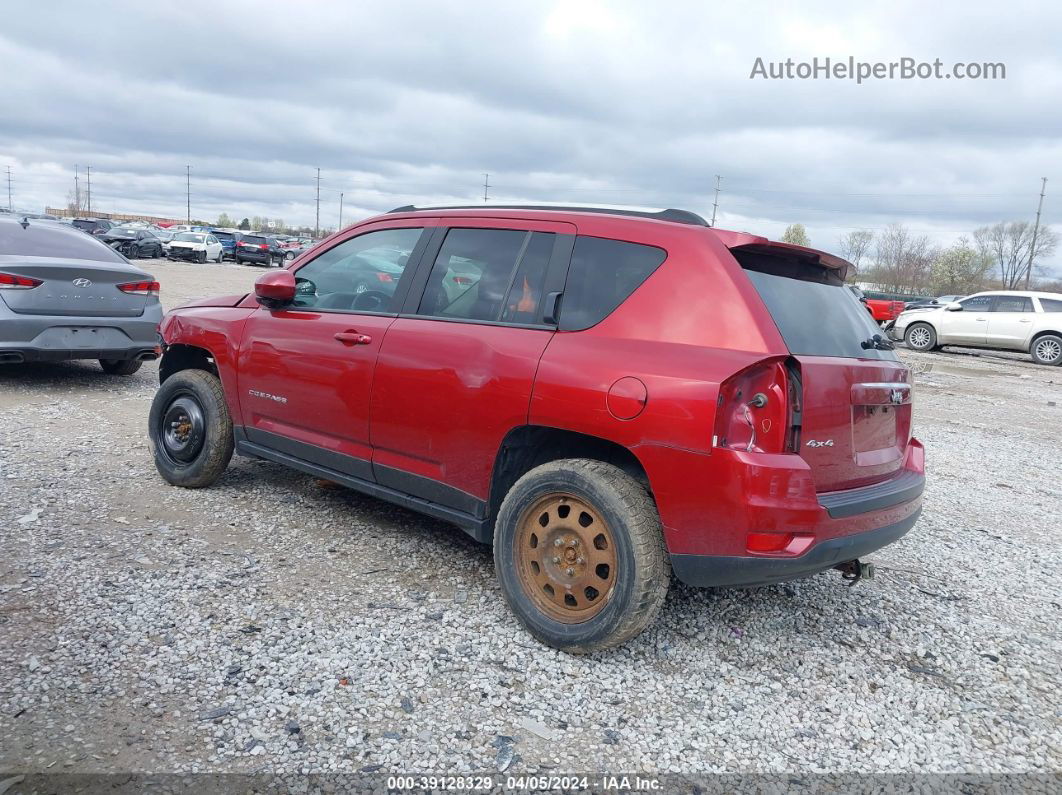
pixel 815 443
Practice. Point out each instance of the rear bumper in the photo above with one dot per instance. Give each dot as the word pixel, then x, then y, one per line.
pixel 716 571
pixel 55 338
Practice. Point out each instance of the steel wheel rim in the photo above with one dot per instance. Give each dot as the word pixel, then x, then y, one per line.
pixel 1048 350
pixel 566 558
pixel 919 337
pixel 182 430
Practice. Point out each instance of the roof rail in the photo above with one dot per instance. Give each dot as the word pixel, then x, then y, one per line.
pixel 676 216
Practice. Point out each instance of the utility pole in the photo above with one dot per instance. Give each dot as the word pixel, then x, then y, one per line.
pixel 341 209
pixel 486 184
pixel 317 221
pixel 88 188
pixel 77 193
pixel 1036 229
pixel 188 193
pixel 9 188
pixel 715 206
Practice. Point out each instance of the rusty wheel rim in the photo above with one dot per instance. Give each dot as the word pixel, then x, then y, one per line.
pixel 566 558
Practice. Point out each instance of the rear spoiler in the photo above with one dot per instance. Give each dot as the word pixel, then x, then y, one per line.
pixel 756 244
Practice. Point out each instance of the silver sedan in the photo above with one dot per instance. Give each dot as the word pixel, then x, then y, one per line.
pixel 65 295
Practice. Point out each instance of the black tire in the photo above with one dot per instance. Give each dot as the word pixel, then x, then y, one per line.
pixel 201 257
pixel 289 255
pixel 1047 349
pixel 920 337
pixel 221 257
pixel 120 366
pixel 643 569
pixel 198 456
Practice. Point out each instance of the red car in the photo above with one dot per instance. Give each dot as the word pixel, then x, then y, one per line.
pixel 607 396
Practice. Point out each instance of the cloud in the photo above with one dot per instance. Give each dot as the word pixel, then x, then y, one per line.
pixel 617 102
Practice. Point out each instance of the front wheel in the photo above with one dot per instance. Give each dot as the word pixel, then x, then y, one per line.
pixel 920 337
pixel 190 429
pixel 120 366
pixel 1047 349
pixel 201 257
pixel 580 556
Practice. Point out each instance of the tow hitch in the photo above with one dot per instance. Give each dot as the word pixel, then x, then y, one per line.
pixel 855 570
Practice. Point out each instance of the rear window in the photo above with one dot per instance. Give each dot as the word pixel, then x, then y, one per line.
pixel 44 239
pixel 814 312
pixel 254 239
pixel 223 235
pixel 602 274
pixel 1051 305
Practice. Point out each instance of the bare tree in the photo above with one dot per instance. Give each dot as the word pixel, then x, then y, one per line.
pixel 855 245
pixel 904 262
pixel 1007 245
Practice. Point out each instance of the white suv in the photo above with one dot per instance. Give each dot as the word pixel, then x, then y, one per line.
pixel 1011 320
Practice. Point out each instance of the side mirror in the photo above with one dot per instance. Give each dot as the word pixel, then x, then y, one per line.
pixel 954 306
pixel 275 290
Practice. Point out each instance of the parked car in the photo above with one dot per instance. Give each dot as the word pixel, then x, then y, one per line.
pixel 923 303
pixel 228 241
pixel 606 396
pixel 165 236
pixel 196 246
pixel 133 243
pixel 1014 320
pixel 93 226
pixel 258 249
pixel 65 295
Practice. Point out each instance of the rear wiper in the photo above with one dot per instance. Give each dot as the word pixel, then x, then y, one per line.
pixel 878 343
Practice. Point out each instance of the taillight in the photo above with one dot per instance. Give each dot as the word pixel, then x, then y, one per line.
pixel 263 246
pixel 753 410
pixel 9 281
pixel 140 288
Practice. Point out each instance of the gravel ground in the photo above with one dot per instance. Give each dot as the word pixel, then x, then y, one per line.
pixel 274 623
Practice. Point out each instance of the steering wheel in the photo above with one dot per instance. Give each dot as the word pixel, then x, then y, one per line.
pixel 371 301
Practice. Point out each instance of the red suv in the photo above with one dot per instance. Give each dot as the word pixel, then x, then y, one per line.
pixel 607 396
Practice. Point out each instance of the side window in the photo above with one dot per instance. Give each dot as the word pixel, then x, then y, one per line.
pixel 358 275
pixel 602 274
pixel 979 303
pixel 1012 303
pixel 488 274
pixel 1051 305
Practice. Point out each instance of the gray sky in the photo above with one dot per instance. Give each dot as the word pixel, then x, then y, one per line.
pixel 622 103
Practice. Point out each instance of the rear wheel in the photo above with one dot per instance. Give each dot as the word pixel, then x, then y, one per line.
pixel 120 366
pixel 580 555
pixel 1047 349
pixel 221 256
pixel 190 429
pixel 920 337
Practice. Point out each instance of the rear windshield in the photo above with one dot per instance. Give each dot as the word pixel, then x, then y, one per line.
pixel 254 239
pixel 815 313
pixel 223 235
pixel 44 239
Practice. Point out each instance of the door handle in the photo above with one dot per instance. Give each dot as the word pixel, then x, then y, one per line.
pixel 1025 321
pixel 352 337
pixel 981 319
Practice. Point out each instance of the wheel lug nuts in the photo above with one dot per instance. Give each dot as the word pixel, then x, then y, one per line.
pixel 556 559
pixel 570 571
pixel 558 543
pixel 572 543
pixel 580 559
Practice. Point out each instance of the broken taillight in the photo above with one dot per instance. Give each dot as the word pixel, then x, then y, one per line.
pixel 753 411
